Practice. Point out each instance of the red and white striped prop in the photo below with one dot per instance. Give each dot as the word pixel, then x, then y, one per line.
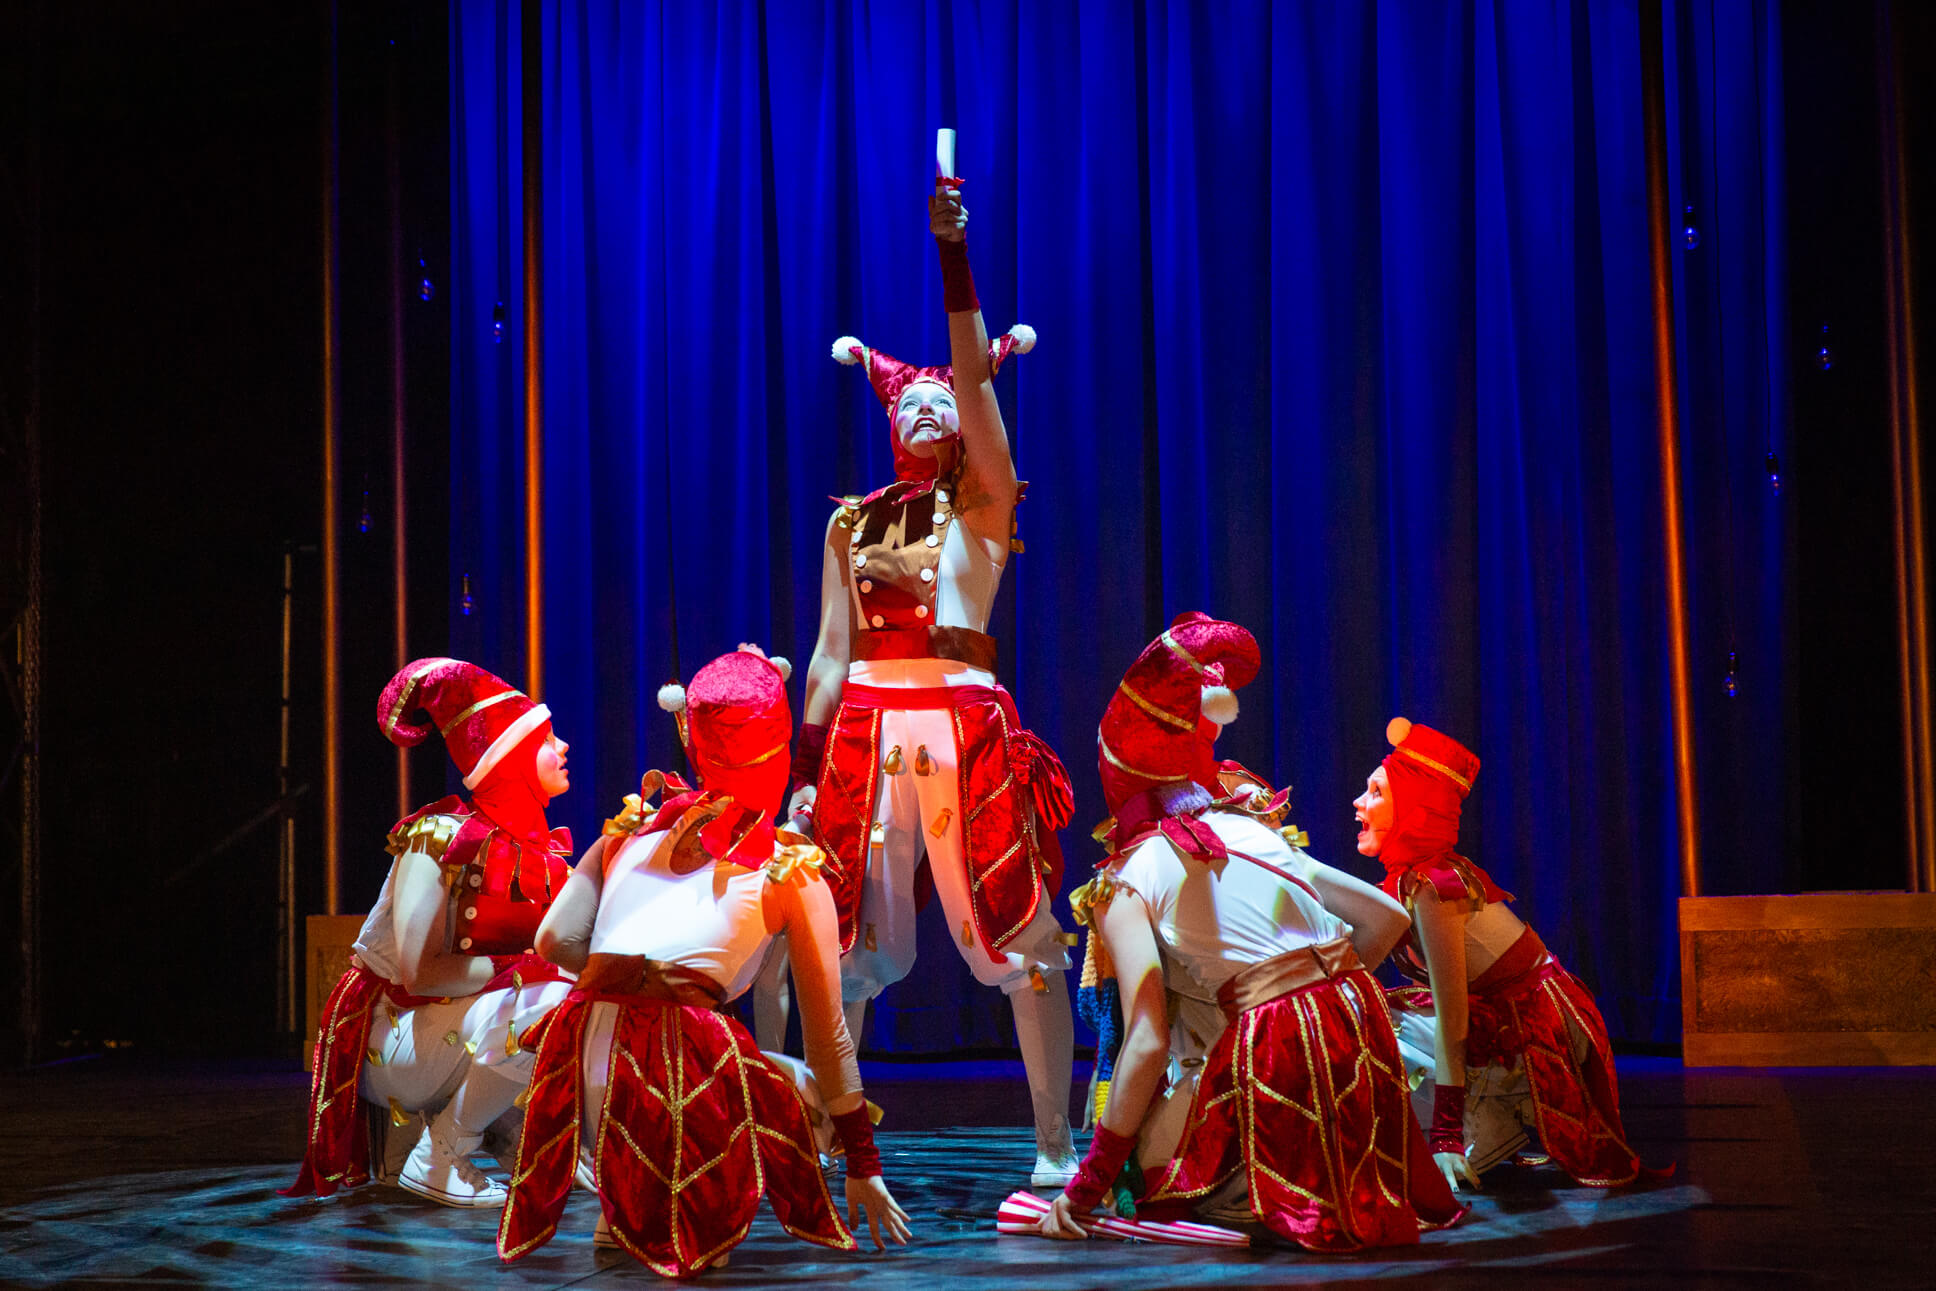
pixel 1024 1210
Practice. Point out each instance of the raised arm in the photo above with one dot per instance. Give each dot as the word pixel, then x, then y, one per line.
pixel 985 495
pixel 418 909
pixel 827 673
pixel 565 936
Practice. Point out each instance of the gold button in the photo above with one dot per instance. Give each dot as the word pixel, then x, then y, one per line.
pixel 860 559
pixel 927 575
pixel 941 517
pixel 464 944
pixel 934 540
pixel 920 611
pixel 942 494
pixel 477 880
pixel 866 584
pixel 878 621
pixel 471 913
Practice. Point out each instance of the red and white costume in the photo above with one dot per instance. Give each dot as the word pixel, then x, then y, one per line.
pixel 1536 1052
pixel 685 1123
pixel 502 866
pixel 927 784
pixel 1301 1101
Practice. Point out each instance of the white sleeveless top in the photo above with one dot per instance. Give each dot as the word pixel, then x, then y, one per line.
pixel 710 920
pixel 1216 919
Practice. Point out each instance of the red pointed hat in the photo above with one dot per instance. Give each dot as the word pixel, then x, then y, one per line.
pixel 890 377
pixel 1430 773
pixel 736 724
pixel 481 717
pixel 1164 716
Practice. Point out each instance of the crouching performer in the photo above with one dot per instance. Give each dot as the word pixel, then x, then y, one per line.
pixel 685 1123
pixel 1503 1036
pixel 1301 1102
pixel 913 765
pixel 426 1021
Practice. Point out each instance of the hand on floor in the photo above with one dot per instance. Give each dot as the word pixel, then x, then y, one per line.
pixel 1454 1167
pixel 1061 1220
pixel 871 1195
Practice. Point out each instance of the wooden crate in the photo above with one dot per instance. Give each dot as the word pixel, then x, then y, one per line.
pixel 326 956
pixel 1823 979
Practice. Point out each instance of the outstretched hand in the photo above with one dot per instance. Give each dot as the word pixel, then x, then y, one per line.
pixel 947 217
pixel 1454 1167
pixel 1061 1222
pixel 871 1195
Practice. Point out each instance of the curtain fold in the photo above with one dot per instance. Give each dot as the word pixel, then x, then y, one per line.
pixel 1345 335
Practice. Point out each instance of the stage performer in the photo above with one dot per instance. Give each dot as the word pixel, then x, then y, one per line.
pixel 908 747
pixel 1505 1037
pixel 683 1121
pixel 1301 1104
pixel 441 983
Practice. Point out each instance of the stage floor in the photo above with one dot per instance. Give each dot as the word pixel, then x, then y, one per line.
pixel 116 1173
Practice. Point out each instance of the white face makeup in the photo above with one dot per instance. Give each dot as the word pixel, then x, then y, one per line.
pixel 1375 813
pixel 553 779
pixel 924 416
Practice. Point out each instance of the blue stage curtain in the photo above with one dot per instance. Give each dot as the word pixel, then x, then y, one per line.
pixel 1345 335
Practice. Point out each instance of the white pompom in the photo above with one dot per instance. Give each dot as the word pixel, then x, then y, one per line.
pixel 785 666
pixel 1220 704
pixel 1024 337
pixel 672 697
pixel 1396 730
pixel 844 350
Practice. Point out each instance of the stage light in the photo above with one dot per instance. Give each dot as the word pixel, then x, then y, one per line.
pixel 1690 234
pixel 1731 683
pixel 425 288
pixel 1824 357
pixel 1774 471
pixel 467 604
pixel 497 322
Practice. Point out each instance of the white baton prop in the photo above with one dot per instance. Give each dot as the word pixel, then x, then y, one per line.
pixel 944 157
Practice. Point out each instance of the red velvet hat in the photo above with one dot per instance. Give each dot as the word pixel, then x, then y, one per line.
pixel 482 717
pixel 890 377
pixel 736 724
pixel 1155 731
pixel 1430 775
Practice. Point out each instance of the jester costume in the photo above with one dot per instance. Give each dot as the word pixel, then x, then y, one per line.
pixel 685 1124
pixel 409 1055
pixel 1536 1052
pixel 1301 1106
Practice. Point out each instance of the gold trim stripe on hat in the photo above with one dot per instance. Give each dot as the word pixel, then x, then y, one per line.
pixel 1159 714
pixel 1127 769
pixel 1437 766
pixel 479 706
pixel 402 705
pixel 1179 651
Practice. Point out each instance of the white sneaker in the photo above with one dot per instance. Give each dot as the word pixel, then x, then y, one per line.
pixel 440 1168
pixel 1056 1162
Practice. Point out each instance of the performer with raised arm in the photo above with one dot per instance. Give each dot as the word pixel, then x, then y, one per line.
pixel 909 748
pixel 1301 1105
pixel 439 986
pixel 1507 1038
pixel 666 918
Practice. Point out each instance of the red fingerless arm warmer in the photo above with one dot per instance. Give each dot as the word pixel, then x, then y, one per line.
pixel 807 752
pixel 857 1136
pixel 1100 1166
pixel 957 280
pixel 1448 1119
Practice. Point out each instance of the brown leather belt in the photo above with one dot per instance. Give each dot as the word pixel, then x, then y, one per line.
pixel 1279 975
pixel 651 979
pixel 962 645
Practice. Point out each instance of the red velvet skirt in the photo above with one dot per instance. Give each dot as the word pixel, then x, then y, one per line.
pixel 697 1126
pixel 1304 1093
pixel 1527 1008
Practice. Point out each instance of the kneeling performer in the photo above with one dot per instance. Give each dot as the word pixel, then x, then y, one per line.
pixel 683 1120
pixel 1301 1100
pixel 1507 1038
pixel 439 986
